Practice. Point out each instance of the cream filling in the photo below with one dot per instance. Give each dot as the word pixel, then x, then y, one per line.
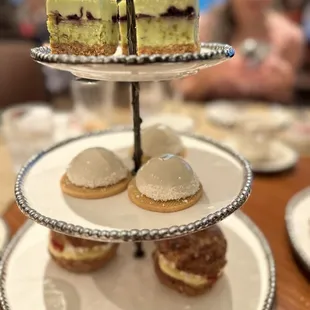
pixel 103 9
pixel 170 269
pixel 157 7
pixel 80 253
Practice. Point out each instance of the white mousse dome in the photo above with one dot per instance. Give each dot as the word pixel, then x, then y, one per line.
pixel 168 177
pixel 159 139
pixel 96 167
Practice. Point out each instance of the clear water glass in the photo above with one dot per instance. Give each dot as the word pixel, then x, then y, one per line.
pixel 27 129
pixel 93 103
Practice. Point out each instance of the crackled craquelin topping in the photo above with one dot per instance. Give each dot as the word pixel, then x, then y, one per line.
pixel 96 167
pixel 201 253
pixel 167 178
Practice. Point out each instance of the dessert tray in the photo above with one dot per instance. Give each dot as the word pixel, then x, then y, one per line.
pixel 298 227
pixel 226 178
pixel 283 158
pixel 135 68
pixel 29 279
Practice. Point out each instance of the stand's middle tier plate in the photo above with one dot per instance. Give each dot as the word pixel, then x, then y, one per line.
pixel 225 176
pixel 121 68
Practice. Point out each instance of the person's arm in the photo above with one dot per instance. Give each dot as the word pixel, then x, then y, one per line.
pixel 275 80
pixel 217 79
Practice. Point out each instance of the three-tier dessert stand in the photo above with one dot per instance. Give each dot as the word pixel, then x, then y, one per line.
pixel 30 280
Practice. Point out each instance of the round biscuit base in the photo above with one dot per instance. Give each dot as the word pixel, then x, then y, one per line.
pixel 92 193
pixel 85 266
pixel 149 204
pixel 179 286
pixel 146 158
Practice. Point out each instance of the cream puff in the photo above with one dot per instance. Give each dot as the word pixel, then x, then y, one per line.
pixel 95 173
pixel 191 264
pixel 165 184
pixel 159 139
pixel 80 255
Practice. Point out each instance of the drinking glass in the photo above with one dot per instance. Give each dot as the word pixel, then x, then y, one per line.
pixel 27 129
pixel 152 98
pixel 93 103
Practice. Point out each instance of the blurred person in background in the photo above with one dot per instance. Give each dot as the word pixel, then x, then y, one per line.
pixel 269 51
pixel 32 25
pixel 8 24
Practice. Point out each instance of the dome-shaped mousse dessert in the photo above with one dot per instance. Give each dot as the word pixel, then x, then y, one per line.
pixel 160 139
pixel 191 264
pixel 95 173
pixel 165 184
pixel 80 255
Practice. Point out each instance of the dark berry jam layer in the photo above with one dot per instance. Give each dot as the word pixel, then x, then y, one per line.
pixel 77 18
pixel 172 11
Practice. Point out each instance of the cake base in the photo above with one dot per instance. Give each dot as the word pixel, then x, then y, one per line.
pixel 169 49
pixel 178 285
pixel 92 193
pixel 85 266
pixel 161 206
pixel 83 49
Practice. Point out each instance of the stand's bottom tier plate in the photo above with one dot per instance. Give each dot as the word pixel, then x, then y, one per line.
pixel 298 227
pixel 31 280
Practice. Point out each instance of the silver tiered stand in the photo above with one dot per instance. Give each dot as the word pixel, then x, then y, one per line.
pixel 226 178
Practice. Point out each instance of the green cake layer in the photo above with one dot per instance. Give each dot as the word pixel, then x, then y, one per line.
pixel 153 32
pixel 88 32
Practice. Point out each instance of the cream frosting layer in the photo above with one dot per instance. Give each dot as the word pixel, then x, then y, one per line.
pixel 96 167
pixel 160 139
pixel 79 253
pixel 168 177
pixel 100 9
pixel 158 7
pixel 169 268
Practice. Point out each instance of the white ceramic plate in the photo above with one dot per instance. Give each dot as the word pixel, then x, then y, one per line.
pixel 298 136
pixel 34 281
pixel 225 176
pixel 228 113
pixel 286 158
pixel 298 226
pixel 135 68
pixel 222 112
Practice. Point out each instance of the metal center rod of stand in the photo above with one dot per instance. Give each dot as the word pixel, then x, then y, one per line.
pixel 135 91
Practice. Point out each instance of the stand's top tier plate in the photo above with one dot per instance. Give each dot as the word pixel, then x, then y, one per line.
pixel 225 176
pixel 121 68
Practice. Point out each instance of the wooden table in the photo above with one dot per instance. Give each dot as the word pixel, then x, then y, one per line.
pixel 266 207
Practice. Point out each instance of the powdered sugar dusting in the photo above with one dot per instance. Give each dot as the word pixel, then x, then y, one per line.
pixel 167 178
